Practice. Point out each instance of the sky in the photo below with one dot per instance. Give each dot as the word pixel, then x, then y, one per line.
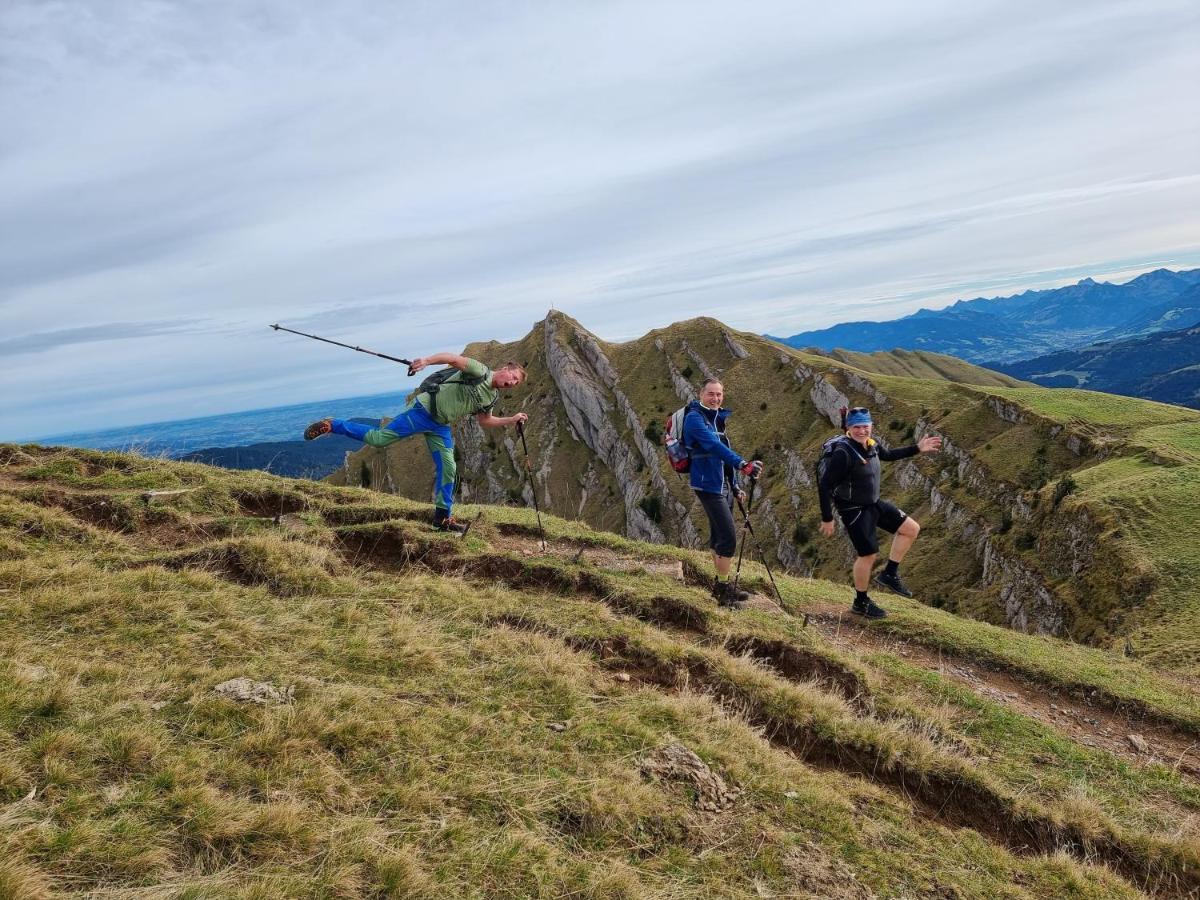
pixel 414 176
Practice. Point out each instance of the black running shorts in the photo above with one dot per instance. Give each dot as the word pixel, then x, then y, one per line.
pixel 861 522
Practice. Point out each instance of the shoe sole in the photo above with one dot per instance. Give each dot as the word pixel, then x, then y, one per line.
pixel 890 589
pixel 867 615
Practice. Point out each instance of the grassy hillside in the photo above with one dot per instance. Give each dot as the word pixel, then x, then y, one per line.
pixel 922 364
pixel 1058 511
pixel 485 718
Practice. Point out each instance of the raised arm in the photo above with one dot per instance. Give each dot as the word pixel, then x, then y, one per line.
pixel 929 444
pixel 441 359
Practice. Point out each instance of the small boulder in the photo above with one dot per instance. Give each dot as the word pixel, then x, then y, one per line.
pixel 675 762
pixel 243 690
pixel 1138 743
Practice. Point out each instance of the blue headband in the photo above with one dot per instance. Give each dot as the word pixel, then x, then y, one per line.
pixel 858 417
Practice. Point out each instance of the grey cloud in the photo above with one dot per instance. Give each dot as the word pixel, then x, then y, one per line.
pixel 351 317
pixel 91 334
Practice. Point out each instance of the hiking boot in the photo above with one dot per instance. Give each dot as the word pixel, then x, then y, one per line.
pixel 726 594
pixel 443 521
pixel 868 608
pixel 316 429
pixel 893 583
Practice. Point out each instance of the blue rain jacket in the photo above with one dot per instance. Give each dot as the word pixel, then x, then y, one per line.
pixel 704 436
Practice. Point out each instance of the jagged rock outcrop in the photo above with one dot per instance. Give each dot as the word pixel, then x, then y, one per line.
pixel 825 396
pixel 683 388
pixel 588 387
pixel 1028 604
pixel 736 350
pixel 705 369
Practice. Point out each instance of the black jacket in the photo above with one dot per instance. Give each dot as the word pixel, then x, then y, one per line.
pixel 851 475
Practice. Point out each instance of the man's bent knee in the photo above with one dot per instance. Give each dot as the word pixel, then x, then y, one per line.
pixel 910 527
pixel 380 437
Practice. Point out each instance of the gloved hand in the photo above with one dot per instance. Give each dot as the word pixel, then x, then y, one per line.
pixel 752 467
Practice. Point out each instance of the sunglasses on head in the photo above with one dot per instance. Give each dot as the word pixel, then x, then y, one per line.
pixel 858 409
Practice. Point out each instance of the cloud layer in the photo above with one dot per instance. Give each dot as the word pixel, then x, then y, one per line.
pixel 413 177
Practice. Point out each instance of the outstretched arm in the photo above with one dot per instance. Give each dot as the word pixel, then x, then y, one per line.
pixel 928 444
pixel 487 420
pixel 441 359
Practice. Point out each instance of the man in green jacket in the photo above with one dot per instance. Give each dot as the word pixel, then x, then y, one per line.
pixel 431 410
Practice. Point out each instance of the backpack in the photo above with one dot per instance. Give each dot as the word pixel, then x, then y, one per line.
pixel 433 383
pixel 828 448
pixel 678 455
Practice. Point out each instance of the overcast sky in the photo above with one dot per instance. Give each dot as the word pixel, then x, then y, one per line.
pixel 175 176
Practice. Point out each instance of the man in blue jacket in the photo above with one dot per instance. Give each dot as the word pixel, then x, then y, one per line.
pixel 714 478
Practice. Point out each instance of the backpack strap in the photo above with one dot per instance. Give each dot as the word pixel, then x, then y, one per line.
pixel 458 377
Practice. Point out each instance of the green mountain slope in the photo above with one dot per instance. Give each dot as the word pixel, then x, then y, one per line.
pixel 423 716
pixel 1032 517
pixel 923 364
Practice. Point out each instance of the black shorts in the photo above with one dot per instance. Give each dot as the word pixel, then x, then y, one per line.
pixel 861 522
pixel 722 533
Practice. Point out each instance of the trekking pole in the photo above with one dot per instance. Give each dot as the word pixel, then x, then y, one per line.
pixel 757 546
pixel 407 362
pixel 532 489
pixel 737 575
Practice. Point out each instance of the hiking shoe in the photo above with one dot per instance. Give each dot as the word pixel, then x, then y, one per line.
pixel 449 523
pixel 727 595
pixel 893 584
pixel 316 429
pixel 868 609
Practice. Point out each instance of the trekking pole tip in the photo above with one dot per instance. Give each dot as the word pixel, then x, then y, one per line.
pixel 276 327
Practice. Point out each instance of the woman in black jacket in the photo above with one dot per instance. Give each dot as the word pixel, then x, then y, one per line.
pixel 849 480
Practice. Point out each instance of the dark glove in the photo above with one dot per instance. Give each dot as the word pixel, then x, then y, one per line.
pixel 752 468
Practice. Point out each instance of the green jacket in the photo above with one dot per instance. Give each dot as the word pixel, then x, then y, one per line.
pixel 455 399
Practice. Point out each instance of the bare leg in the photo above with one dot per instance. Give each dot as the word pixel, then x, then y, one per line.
pixel 905 535
pixel 722 564
pixel 862 572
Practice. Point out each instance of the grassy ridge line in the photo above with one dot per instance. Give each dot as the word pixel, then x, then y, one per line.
pixel 1126 682
pixel 1098 674
pixel 1018 823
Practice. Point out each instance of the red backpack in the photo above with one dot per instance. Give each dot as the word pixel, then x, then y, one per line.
pixel 678 455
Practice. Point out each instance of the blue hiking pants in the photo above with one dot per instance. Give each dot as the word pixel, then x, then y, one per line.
pixel 414 420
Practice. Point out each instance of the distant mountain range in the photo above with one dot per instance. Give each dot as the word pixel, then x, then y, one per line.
pixel 1163 366
pixel 291 459
pixel 267 439
pixel 1034 323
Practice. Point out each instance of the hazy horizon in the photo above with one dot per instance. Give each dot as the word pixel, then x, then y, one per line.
pixel 333 401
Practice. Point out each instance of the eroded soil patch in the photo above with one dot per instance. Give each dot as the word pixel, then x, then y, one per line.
pixel 1086 720
pixel 945 795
